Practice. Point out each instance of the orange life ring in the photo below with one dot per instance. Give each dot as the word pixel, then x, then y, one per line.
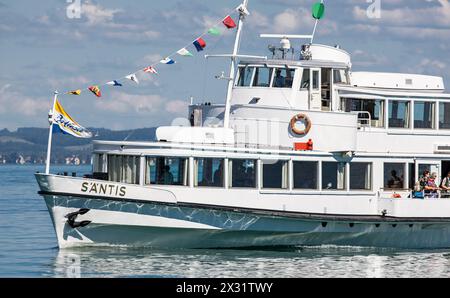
pixel 304 118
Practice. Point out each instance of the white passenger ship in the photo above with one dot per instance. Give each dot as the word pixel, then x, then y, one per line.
pixel 304 152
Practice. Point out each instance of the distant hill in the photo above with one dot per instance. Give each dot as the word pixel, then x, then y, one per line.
pixel 29 145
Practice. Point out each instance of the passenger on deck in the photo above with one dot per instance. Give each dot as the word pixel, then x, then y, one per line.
pixel 431 188
pixel 218 176
pixel 445 186
pixel 280 81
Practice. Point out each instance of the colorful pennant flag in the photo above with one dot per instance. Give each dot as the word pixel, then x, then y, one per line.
pixel 199 44
pixel 184 52
pixel 150 69
pixel 114 83
pixel 167 61
pixel 214 31
pixel 96 91
pixel 133 77
pixel 63 123
pixel 229 22
pixel 75 92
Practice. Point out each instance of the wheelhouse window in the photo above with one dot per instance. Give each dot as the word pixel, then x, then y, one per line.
pixel 306 79
pixel 424 114
pixel 124 168
pixel 394 174
pixel 444 115
pixel 275 174
pixel 284 78
pixel 263 77
pixel 243 173
pixel 305 174
pixel 399 114
pixel 167 171
pixel 333 176
pixel 339 76
pixel 372 107
pixel 360 176
pixel 245 76
pixel 209 172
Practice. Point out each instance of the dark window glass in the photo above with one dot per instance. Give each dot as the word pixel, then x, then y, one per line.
pixel 360 176
pixel 305 174
pixel 333 176
pixel 275 175
pixel 306 79
pixel 209 172
pixel 394 175
pixel 424 115
pixel 245 76
pixel 263 76
pixel 167 171
pixel 399 114
pixel 243 173
pixel 374 107
pixel 444 115
pixel 283 78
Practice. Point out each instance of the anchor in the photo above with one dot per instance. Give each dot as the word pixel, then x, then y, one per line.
pixel 71 217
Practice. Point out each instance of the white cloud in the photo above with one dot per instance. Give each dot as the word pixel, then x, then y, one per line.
pixel 14 103
pixel 97 14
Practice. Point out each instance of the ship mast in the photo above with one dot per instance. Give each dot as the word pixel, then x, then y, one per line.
pixel 243 13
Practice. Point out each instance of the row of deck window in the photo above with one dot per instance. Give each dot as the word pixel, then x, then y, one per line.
pixel 399 113
pixel 242 173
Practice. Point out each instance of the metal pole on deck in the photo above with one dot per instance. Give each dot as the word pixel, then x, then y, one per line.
pixel 243 11
pixel 50 134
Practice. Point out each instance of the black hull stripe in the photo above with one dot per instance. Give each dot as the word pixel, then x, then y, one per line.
pixel 261 212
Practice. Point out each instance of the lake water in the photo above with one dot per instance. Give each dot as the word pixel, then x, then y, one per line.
pixel 28 249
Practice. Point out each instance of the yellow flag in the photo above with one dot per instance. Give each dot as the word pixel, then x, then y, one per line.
pixel 76 92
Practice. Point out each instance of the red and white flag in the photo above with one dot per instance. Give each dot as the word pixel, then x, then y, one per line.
pixel 150 69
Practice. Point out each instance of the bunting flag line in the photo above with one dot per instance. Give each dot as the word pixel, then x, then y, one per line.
pixel 63 123
pixel 199 44
pixel 75 92
pixel 214 31
pixel 114 83
pixel 229 22
pixel 184 52
pixel 96 91
pixel 150 69
pixel 167 61
pixel 133 77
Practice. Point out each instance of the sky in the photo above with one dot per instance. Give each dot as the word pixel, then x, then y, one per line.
pixel 43 48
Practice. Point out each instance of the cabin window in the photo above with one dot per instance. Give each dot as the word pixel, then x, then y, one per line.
pixel 339 76
pixel 284 78
pixel 306 79
pixel 399 114
pixel 315 79
pixel 444 115
pixel 305 174
pixel 424 114
pixel 275 174
pixel 333 175
pixel 263 77
pixel 360 176
pixel 243 173
pixel 394 174
pixel 124 168
pixel 245 76
pixel 372 107
pixel 209 172
pixel 167 171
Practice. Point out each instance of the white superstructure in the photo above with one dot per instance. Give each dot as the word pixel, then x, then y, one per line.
pixel 304 151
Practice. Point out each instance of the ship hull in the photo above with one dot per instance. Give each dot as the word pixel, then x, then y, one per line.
pixel 110 222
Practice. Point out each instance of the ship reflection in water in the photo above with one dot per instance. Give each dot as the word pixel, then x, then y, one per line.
pixel 300 262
